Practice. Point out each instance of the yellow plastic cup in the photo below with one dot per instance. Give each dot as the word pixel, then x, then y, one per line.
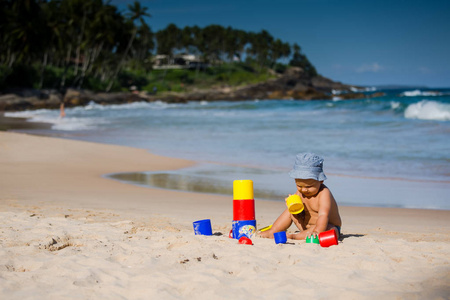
pixel 242 190
pixel 295 204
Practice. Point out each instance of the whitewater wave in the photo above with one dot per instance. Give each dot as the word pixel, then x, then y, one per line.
pixel 365 89
pixel 417 93
pixel 428 110
pixel 86 117
pixel 395 105
pixel 74 124
pixel 354 90
pixel 128 106
pixel 51 116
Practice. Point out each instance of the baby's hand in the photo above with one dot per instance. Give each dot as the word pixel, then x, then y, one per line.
pixel 313 234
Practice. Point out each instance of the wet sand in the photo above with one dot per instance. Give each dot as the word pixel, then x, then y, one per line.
pixel 7 123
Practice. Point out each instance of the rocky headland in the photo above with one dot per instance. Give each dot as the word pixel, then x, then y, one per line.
pixel 293 84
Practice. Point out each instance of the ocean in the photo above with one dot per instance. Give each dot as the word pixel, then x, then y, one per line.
pixel 391 151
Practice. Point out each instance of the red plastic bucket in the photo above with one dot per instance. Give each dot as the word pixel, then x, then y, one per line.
pixel 243 209
pixel 328 238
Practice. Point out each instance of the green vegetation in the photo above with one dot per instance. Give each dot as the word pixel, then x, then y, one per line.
pixel 90 44
pixel 182 80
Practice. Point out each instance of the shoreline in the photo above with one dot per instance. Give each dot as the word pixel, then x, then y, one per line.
pixel 403 190
pixel 21 125
pixel 185 180
pixel 89 148
pixel 168 163
pixel 68 231
pixel 14 123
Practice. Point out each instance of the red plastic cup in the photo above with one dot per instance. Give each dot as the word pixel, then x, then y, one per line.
pixel 243 210
pixel 328 238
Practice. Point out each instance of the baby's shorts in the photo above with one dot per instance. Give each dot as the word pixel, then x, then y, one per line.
pixel 339 229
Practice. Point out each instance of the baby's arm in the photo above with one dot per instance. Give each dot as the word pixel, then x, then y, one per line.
pixel 299 221
pixel 300 235
pixel 324 211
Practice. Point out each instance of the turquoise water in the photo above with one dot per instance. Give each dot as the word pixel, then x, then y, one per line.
pixel 404 135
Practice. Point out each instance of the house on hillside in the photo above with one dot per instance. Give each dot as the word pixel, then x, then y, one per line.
pixel 178 61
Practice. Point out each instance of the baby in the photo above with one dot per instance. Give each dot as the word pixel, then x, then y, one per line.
pixel 321 211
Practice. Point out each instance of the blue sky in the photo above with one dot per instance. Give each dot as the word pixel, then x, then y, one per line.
pixel 363 42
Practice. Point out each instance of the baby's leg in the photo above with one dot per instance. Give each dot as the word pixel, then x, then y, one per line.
pixel 299 220
pixel 282 223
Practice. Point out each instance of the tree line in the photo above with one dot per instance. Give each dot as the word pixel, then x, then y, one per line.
pixel 91 40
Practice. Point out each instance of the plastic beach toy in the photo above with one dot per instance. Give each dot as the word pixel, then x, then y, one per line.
pixel 243 228
pixel 265 228
pixel 203 227
pixel 328 238
pixel 312 240
pixel 245 240
pixel 244 223
pixel 242 189
pixel 243 202
pixel 294 204
pixel 280 237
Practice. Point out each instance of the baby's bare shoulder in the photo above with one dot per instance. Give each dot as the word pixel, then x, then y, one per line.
pixel 325 196
pixel 324 192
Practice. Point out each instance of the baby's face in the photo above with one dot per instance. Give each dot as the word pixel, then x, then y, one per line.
pixel 308 187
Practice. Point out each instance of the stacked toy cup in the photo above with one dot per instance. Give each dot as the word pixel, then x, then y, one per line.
pixel 244 223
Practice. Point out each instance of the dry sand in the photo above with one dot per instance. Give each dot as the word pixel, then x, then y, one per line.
pixel 67 232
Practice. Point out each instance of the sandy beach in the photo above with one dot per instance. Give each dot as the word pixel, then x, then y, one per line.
pixel 69 233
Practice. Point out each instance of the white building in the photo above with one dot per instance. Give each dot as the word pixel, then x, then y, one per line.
pixel 178 61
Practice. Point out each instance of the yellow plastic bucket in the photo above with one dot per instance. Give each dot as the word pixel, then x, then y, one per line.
pixel 242 189
pixel 294 204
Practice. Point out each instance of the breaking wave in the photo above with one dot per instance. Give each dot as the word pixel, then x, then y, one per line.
pixel 417 93
pixel 428 110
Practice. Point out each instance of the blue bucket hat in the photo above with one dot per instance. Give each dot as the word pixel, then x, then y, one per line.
pixel 308 166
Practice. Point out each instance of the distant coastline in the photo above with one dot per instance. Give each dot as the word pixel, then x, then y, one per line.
pixel 294 84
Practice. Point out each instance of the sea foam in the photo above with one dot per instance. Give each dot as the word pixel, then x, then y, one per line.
pixel 428 110
pixel 128 106
pixel 51 116
pixel 365 89
pixel 395 105
pixel 416 93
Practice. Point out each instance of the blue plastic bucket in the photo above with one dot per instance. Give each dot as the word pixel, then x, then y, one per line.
pixel 203 227
pixel 280 237
pixel 243 228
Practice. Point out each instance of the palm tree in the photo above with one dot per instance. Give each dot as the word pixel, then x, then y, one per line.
pixel 279 50
pixel 104 32
pixel 25 30
pixel 300 60
pixel 169 39
pixel 213 36
pixel 144 42
pixel 261 45
pixel 136 12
